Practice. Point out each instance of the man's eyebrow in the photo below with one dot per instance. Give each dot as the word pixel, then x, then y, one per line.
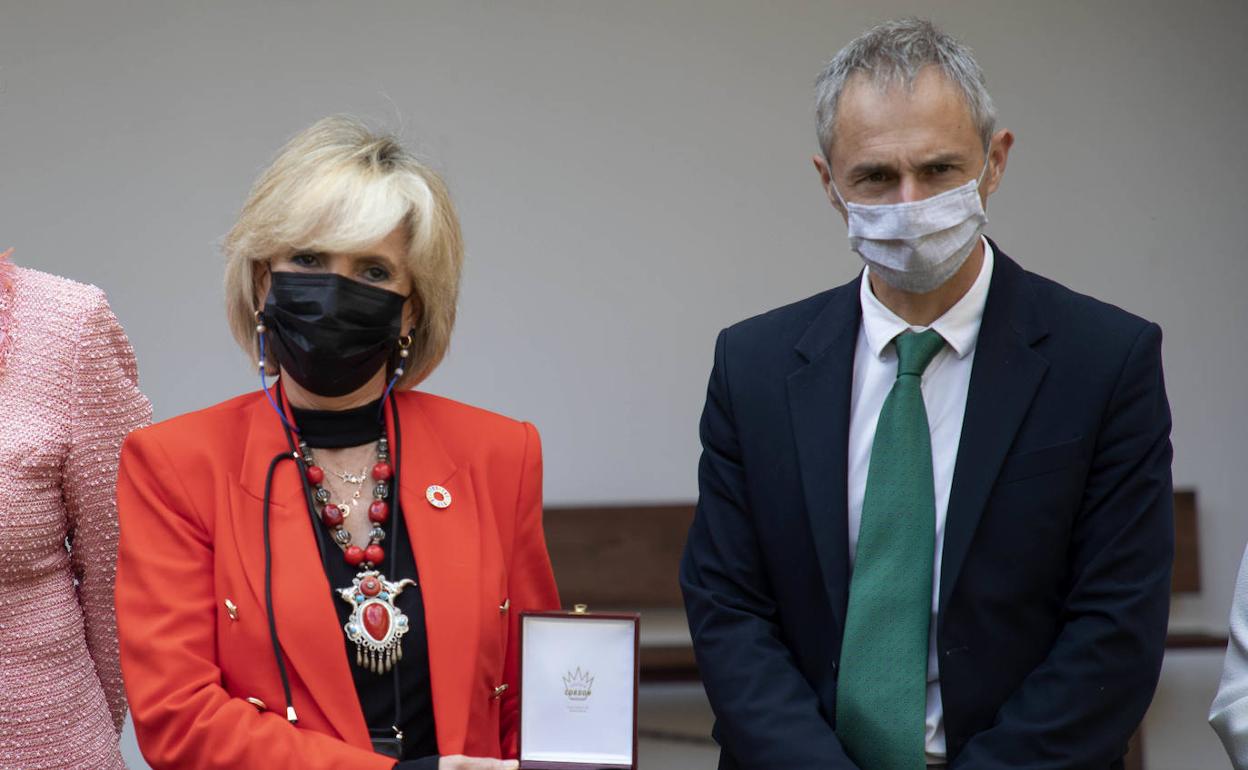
pixel 867 168
pixel 945 158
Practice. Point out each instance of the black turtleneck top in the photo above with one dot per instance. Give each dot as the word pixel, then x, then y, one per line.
pixel 405 689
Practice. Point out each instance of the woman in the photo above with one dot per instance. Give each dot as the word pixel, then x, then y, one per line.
pixel 1229 712
pixel 329 573
pixel 68 397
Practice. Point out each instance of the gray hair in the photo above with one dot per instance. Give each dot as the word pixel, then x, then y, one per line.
pixel 893 53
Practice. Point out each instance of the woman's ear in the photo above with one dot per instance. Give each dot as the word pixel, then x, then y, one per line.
pixel 411 312
pixel 260 280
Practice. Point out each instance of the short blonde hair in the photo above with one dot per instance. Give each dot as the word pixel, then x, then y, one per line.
pixel 338 186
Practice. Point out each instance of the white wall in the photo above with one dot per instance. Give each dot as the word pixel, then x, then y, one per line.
pixel 632 177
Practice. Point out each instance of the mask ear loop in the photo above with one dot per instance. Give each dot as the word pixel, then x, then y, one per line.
pixel 405 344
pixel 837 193
pixel 261 329
pixel 832 184
pixel 983 174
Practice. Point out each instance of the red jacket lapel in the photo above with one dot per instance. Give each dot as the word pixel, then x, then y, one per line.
pixel 446 542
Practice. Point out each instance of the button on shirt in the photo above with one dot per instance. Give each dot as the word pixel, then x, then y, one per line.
pixel 945 383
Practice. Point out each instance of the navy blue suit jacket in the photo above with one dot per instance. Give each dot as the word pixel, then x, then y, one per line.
pixel 1054 592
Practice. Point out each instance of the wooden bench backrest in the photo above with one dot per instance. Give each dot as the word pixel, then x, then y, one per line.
pixel 618 557
pixel 627 556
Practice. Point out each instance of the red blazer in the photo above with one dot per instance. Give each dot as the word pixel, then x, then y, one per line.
pixel 189 497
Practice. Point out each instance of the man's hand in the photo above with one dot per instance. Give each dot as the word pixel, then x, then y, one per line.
pixel 460 762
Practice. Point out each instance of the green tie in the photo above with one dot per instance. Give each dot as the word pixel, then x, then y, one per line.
pixel 881 698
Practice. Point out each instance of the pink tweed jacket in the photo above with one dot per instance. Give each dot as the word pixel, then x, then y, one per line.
pixel 68 396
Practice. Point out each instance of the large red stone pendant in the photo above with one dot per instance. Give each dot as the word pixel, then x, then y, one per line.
pixel 376 625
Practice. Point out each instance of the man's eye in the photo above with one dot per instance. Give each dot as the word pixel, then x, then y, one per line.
pixel 936 169
pixel 876 178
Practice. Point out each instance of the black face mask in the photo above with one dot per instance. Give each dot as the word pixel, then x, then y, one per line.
pixel 331 334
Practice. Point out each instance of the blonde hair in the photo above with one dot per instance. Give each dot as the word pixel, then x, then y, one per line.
pixel 337 186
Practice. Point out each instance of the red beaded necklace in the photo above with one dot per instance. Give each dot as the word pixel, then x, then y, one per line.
pixel 376 625
pixel 333 515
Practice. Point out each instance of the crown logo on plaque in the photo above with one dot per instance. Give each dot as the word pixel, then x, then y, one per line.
pixel 578 685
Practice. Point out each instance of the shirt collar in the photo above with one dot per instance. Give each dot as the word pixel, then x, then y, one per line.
pixel 959 326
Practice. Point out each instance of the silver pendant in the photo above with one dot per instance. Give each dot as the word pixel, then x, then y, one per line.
pixel 376 625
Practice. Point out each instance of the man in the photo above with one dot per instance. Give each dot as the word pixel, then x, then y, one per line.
pixel 934 523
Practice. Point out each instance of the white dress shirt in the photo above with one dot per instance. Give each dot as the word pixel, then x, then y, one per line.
pixel 944 385
pixel 1229 712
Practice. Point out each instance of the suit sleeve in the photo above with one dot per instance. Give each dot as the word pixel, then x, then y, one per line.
pixel 107 405
pixel 531 581
pixel 184 719
pixel 767 714
pixel 1079 707
pixel 1229 712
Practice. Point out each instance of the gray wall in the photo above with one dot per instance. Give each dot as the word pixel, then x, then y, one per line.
pixel 632 177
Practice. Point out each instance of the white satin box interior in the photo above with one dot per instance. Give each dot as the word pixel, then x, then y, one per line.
pixel 578 690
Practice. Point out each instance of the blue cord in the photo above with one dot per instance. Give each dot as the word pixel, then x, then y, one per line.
pixel 381 409
pixel 265 387
pixel 398 372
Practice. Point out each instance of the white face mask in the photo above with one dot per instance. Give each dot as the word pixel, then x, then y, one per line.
pixel 917 246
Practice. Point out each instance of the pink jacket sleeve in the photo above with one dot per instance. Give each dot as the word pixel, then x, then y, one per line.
pixel 105 406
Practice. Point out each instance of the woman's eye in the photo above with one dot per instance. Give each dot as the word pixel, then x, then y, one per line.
pixel 377 274
pixel 304 260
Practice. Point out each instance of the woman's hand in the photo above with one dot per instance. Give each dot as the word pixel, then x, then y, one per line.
pixel 460 762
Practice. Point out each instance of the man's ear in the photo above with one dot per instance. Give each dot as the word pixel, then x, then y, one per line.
pixel 998 154
pixel 825 179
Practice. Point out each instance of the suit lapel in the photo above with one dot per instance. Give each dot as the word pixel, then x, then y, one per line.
pixel 446 543
pixel 1004 379
pixel 307 624
pixel 819 406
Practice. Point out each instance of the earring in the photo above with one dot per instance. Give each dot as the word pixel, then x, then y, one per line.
pixel 405 344
pixel 264 386
pixel 260 331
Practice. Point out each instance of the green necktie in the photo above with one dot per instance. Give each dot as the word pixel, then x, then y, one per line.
pixel 881 697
